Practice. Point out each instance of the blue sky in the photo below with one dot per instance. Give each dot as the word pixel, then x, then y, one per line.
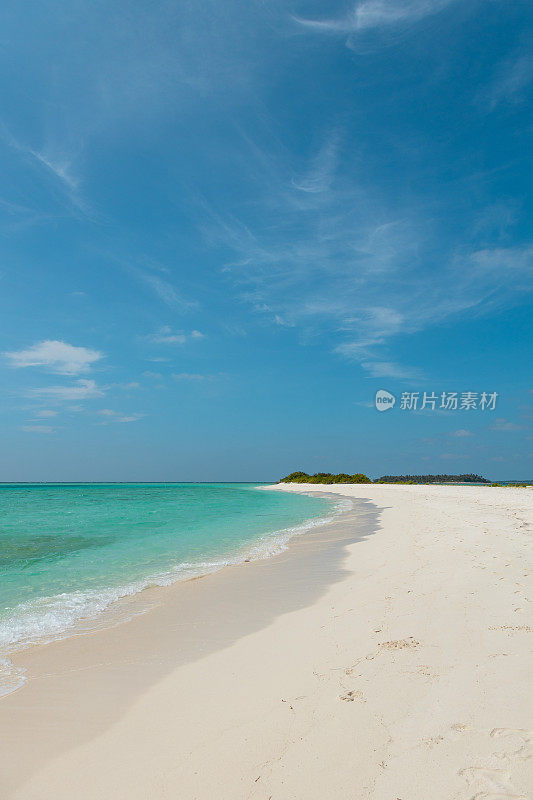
pixel 225 226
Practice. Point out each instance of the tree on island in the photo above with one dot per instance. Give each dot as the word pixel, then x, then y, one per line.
pixel 432 479
pixel 328 477
pixel 325 477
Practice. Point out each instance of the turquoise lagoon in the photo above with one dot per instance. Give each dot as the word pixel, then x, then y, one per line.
pixel 69 551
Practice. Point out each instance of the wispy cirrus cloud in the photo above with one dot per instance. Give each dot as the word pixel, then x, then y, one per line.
pixel 498 260
pixel 154 376
pixel 191 376
pixel 55 356
pixel 60 167
pixel 38 429
pixel 388 369
pixel 166 335
pixel 55 162
pixel 122 69
pixel 157 277
pixel 375 14
pixel 126 387
pixel 327 254
pixel 118 416
pixel 82 389
pixel 164 289
pixel 504 425
pixel 318 177
pixel 510 82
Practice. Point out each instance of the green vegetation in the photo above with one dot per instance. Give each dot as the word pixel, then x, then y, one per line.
pixel 328 477
pixel 431 479
pixel 325 477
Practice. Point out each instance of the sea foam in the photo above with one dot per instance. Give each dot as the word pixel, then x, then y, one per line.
pixel 48 618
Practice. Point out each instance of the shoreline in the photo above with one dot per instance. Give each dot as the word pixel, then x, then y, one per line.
pixel 350 665
pixel 51 667
pixel 125 601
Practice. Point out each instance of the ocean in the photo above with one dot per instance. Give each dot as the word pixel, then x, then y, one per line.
pixel 68 552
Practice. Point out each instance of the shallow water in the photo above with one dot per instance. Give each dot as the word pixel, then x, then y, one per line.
pixel 67 552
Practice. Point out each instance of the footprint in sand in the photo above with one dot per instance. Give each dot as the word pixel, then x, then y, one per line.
pixel 461 727
pixel 431 741
pixel 525 750
pixel 426 671
pixel 400 644
pixel 512 628
pixel 349 697
pixel 492 784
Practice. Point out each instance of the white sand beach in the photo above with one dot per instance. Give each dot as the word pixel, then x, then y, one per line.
pixel 387 657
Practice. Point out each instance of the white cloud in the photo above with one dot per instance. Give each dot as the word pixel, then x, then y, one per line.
pixel 60 166
pixel 59 357
pixel 505 425
pixel 161 287
pixel 166 335
pixel 45 413
pixel 38 429
pixel 511 82
pixel 57 161
pixel 375 325
pixel 332 255
pixel 125 387
pixel 376 14
pixel 120 69
pixel 164 290
pixel 118 416
pixel 461 433
pixel 319 177
pixel 387 369
pixel 500 260
pixel 81 390
pixel 191 376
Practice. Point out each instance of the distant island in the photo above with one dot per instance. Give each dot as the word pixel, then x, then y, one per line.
pixel 325 477
pixel 431 479
pixel 328 477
